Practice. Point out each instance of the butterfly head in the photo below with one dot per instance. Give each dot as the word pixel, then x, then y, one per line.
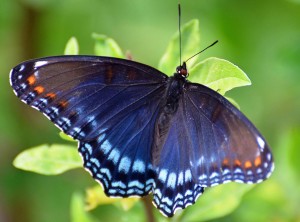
pixel 182 70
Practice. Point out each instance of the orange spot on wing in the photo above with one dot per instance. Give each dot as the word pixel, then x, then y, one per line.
pixel 63 104
pixel 31 80
pixel 257 161
pixel 39 89
pixel 51 95
pixel 248 164
pixel 225 161
pixel 237 162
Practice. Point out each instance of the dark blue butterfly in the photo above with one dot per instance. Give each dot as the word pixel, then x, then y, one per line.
pixel 140 131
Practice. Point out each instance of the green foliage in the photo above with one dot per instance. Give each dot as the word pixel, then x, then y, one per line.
pixel 190 36
pixel 66 137
pixel 216 202
pixel 95 196
pixel 219 75
pixel 48 160
pixel 72 47
pixel 78 212
pixel 105 46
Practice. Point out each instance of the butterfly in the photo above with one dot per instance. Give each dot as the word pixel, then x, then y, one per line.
pixel 140 131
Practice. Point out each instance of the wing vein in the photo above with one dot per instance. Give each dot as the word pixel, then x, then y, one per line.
pixel 128 105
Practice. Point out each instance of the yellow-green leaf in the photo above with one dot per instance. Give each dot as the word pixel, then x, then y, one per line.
pixel 105 46
pixel 190 45
pixel 219 75
pixel 66 137
pixel 49 160
pixel 78 213
pixel 72 47
pixel 95 196
pixel 216 202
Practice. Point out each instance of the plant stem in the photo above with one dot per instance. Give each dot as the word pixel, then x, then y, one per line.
pixel 149 208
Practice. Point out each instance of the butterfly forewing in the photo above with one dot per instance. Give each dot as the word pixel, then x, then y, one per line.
pixel 80 93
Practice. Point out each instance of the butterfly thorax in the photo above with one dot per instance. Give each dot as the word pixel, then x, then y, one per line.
pixel 174 89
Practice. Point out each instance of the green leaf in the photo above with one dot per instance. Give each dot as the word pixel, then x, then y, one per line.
pixel 258 204
pixel 219 75
pixel 95 196
pixel 216 202
pixel 72 47
pixel 48 160
pixel 78 212
pixel 66 137
pixel 190 45
pixel 105 46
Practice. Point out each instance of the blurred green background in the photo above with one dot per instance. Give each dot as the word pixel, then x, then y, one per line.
pixel 261 37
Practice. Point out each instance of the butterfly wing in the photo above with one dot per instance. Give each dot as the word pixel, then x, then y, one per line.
pixel 208 142
pixel 226 145
pixel 110 105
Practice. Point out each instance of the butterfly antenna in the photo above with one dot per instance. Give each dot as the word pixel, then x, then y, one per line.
pixel 202 50
pixel 179 28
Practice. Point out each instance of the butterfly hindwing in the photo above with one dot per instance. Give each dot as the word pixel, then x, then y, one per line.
pixel 120 157
pixel 226 145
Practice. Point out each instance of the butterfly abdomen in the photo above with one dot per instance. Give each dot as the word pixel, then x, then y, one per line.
pixel 169 106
